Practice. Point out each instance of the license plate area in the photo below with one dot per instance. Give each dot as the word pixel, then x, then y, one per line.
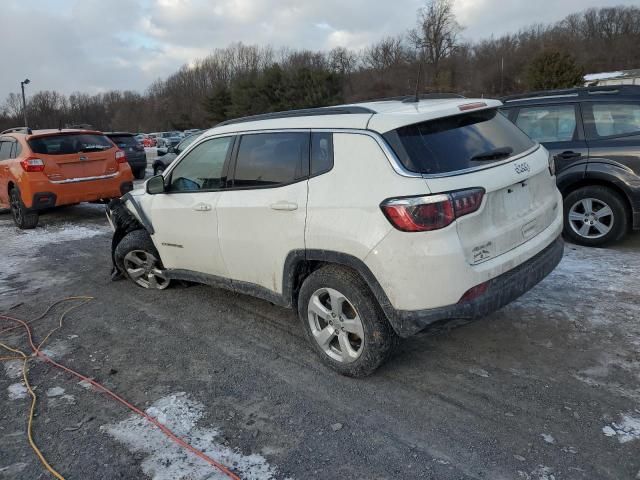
pixel 517 200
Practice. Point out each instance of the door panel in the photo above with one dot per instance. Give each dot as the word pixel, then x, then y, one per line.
pixel 185 218
pixel 186 231
pixel 258 228
pixel 263 217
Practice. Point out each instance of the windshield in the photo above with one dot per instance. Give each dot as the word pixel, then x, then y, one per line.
pixel 185 143
pixel 457 143
pixel 69 143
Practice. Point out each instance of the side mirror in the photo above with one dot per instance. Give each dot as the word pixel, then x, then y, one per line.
pixel 155 185
pixel 172 150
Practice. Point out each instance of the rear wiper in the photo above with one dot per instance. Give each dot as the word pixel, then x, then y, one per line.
pixel 495 154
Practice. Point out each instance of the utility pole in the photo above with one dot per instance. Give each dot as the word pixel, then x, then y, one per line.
pixel 24 100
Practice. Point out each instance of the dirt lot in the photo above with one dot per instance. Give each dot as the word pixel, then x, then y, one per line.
pixel 547 388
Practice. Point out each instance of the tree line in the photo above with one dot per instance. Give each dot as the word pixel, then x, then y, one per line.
pixel 430 57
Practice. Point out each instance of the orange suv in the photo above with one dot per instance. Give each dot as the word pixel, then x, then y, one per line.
pixel 40 169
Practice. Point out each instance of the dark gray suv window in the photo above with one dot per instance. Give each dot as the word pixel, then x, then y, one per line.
pixel 611 119
pixel 271 159
pixel 548 123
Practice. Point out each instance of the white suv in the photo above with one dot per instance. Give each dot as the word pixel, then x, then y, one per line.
pixel 372 220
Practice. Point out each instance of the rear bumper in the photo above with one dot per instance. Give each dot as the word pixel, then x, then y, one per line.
pixel 137 162
pixel 501 290
pixel 38 194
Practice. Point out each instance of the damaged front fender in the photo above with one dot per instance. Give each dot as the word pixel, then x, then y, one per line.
pixel 123 222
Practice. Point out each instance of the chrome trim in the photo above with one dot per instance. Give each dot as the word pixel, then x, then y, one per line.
pixel 392 158
pixel 84 179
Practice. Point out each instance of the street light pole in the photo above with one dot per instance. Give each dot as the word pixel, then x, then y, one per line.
pixel 24 101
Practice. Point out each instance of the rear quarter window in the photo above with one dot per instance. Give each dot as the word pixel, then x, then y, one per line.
pixel 69 144
pixel 460 142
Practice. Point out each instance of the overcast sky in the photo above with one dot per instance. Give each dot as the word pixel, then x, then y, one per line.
pixel 96 45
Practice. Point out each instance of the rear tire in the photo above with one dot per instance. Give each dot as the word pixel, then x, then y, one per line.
pixel 595 216
pixel 137 258
pixel 344 322
pixel 23 218
pixel 140 173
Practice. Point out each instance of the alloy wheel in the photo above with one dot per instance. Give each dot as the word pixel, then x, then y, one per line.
pixel 143 268
pixel 335 325
pixel 591 218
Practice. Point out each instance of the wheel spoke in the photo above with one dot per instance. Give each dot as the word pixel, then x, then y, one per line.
pixel 337 302
pixel 319 309
pixel 604 212
pixel 135 273
pixel 324 337
pixel 345 347
pixel 153 283
pixel 601 227
pixel 576 216
pixel 135 259
pixel 584 229
pixel 587 204
pixel 354 326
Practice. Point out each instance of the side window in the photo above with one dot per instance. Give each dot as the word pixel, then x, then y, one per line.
pixel 321 153
pixel 552 123
pixel 610 119
pixel 271 159
pixel 202 168
pixel 5 149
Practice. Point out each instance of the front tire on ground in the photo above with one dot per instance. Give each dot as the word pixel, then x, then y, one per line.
pixel 138 259
pixel 23 218
pixel 595 216
pixel 344 322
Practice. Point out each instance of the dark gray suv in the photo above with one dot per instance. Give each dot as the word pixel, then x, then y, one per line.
pixel 593 135
pixel 134 151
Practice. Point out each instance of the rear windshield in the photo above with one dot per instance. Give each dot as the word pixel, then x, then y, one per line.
pixel 459 142
pixel 124 140
pixel 69 143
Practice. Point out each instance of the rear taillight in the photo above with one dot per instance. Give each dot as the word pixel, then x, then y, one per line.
pixel 32 165
pixel 121 157
pixel 431 212
pixel 474 292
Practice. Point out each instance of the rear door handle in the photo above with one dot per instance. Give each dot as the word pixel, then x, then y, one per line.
pixel 568 155
pixel 202 207
pixel 284 206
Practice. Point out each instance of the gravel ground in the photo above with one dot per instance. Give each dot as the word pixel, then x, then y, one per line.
pixel 545 389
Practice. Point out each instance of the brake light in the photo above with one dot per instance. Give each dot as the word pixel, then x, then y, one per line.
pixel 32 165
pixel 121 157
pixel 431 212
pixel 471 106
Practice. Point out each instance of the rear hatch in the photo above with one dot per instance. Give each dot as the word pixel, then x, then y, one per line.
pixel 129 145
pixel 69 156
pixel 482 149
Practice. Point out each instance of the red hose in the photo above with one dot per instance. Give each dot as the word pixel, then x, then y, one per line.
pixel 118 398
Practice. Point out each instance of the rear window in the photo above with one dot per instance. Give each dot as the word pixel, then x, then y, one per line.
pixel 457 143
pixel 124 140
pixel 69 144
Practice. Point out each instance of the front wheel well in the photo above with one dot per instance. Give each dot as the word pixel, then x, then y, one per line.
pixel 591 182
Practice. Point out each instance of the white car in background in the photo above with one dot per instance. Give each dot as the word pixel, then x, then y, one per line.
pixel 372 220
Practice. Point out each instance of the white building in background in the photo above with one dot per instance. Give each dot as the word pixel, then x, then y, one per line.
pixel 623 77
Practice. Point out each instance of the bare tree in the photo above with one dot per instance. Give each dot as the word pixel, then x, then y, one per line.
pixel 436 33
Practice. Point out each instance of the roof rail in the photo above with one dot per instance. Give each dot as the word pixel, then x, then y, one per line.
pixel 306 112
pixel 412 98
pixel 26 130
pixel 575 92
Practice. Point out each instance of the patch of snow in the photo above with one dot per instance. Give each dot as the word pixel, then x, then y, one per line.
pixel 540 473
pixel 57 349
pixel 167 461
pixel 17 391
pixel 626 430
pixel 548 438
pixel 13 368
pixel 55 392
pixel 590 77
pixel 12 470
pixel 479 372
